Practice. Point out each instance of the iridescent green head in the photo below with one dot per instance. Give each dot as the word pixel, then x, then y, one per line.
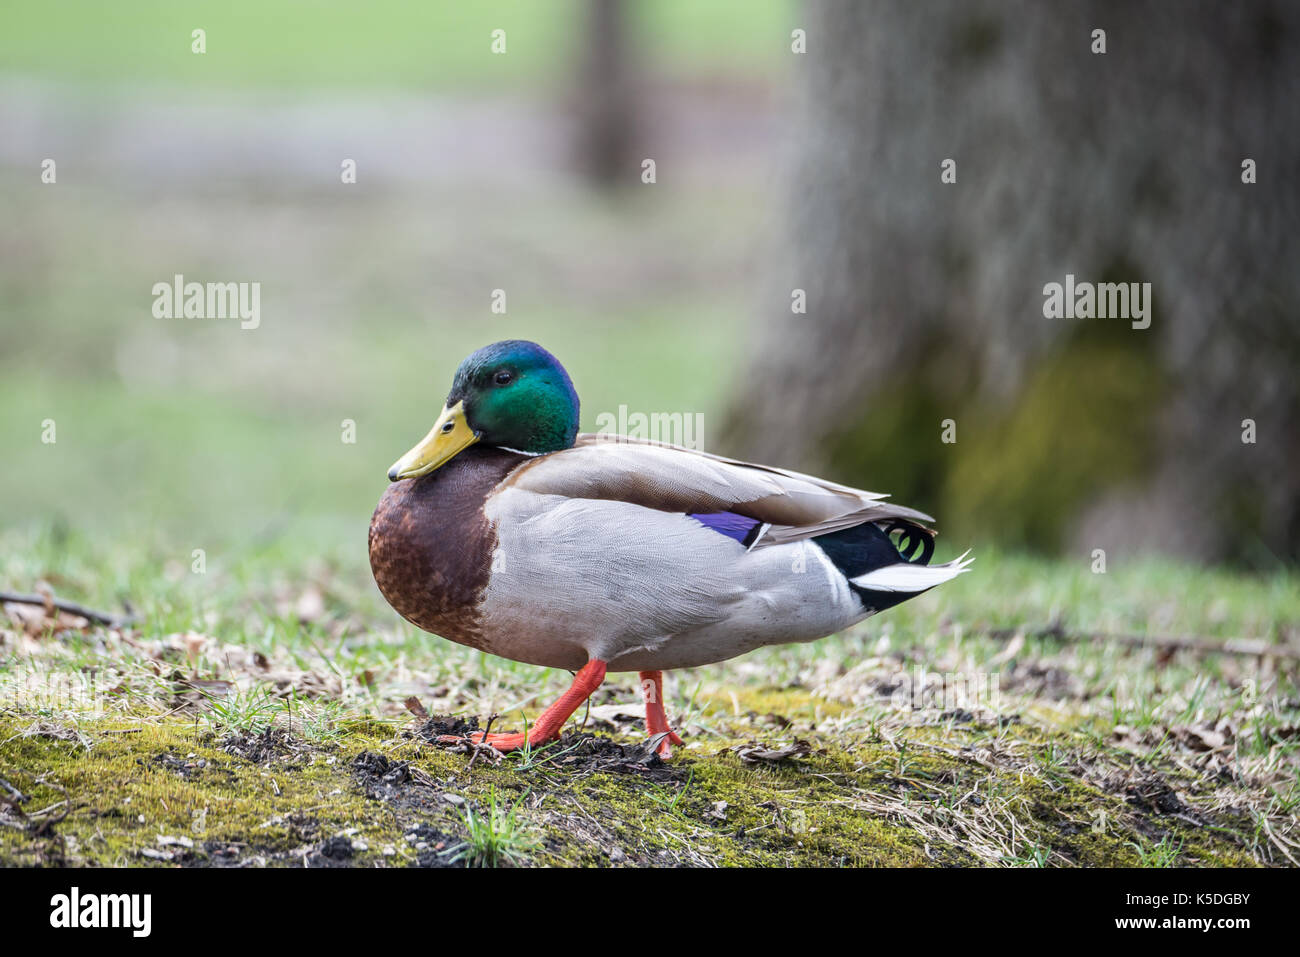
pixel 512 395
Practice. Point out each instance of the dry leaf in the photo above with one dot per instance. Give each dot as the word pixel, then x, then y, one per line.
pixel 1010 651
pixel 30 618
pixel 754 753
pixel 1201 739
pixel 617 716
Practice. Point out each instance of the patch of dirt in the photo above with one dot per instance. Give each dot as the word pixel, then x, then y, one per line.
pixel 261 747
pixel 446 724
pixel 403 787
pixel 224 854
pixel 411 794
pixel 302 828
pixel 580 752
pixel 588 753
pixel 370 765
pixel 432 847
pixel 332 852
pixel 187 766
pixel 171 761
pixel 383 779
pixel 1153 795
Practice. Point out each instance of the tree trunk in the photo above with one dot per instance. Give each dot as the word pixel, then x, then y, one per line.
pixel 925 299
pixel 606 103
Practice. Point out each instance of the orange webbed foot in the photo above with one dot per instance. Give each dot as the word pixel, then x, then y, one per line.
pixel 549 723
pixel 501 741
pixel 656 718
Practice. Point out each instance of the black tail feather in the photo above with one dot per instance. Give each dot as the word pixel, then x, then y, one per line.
pixel 864 548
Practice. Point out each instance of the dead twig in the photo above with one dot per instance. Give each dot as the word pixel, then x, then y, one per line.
pixel 482 745
pixel 72 608
pixel 1277 842
pixel 46 827
pixel 16 794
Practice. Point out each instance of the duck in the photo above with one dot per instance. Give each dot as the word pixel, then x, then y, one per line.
pixel 506 530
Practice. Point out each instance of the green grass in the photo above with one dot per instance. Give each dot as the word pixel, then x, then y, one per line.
pixel 201 435
pixel 1163 853
pixel 1088 752
pixel 495 836
pixel 391 44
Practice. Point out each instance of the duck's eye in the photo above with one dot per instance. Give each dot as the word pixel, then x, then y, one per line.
pixel 503 378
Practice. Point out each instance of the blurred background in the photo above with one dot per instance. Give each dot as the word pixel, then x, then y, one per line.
pixel 775 170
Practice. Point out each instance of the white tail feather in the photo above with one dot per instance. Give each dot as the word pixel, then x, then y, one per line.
pixel 912 578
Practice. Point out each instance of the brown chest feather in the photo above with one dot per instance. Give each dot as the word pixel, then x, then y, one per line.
pixel 431 546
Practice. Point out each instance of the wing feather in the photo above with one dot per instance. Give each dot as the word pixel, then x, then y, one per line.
pixel 674 479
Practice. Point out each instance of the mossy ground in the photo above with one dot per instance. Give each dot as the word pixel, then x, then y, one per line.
pixel 259 717
pixel 171 792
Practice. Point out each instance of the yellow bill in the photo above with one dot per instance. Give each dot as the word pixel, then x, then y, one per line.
pixel 449 436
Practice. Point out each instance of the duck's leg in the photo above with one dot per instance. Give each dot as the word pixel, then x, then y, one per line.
pixel 548 724
pixel 656 719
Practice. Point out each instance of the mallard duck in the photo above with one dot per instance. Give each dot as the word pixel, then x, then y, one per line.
pixel 506 530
